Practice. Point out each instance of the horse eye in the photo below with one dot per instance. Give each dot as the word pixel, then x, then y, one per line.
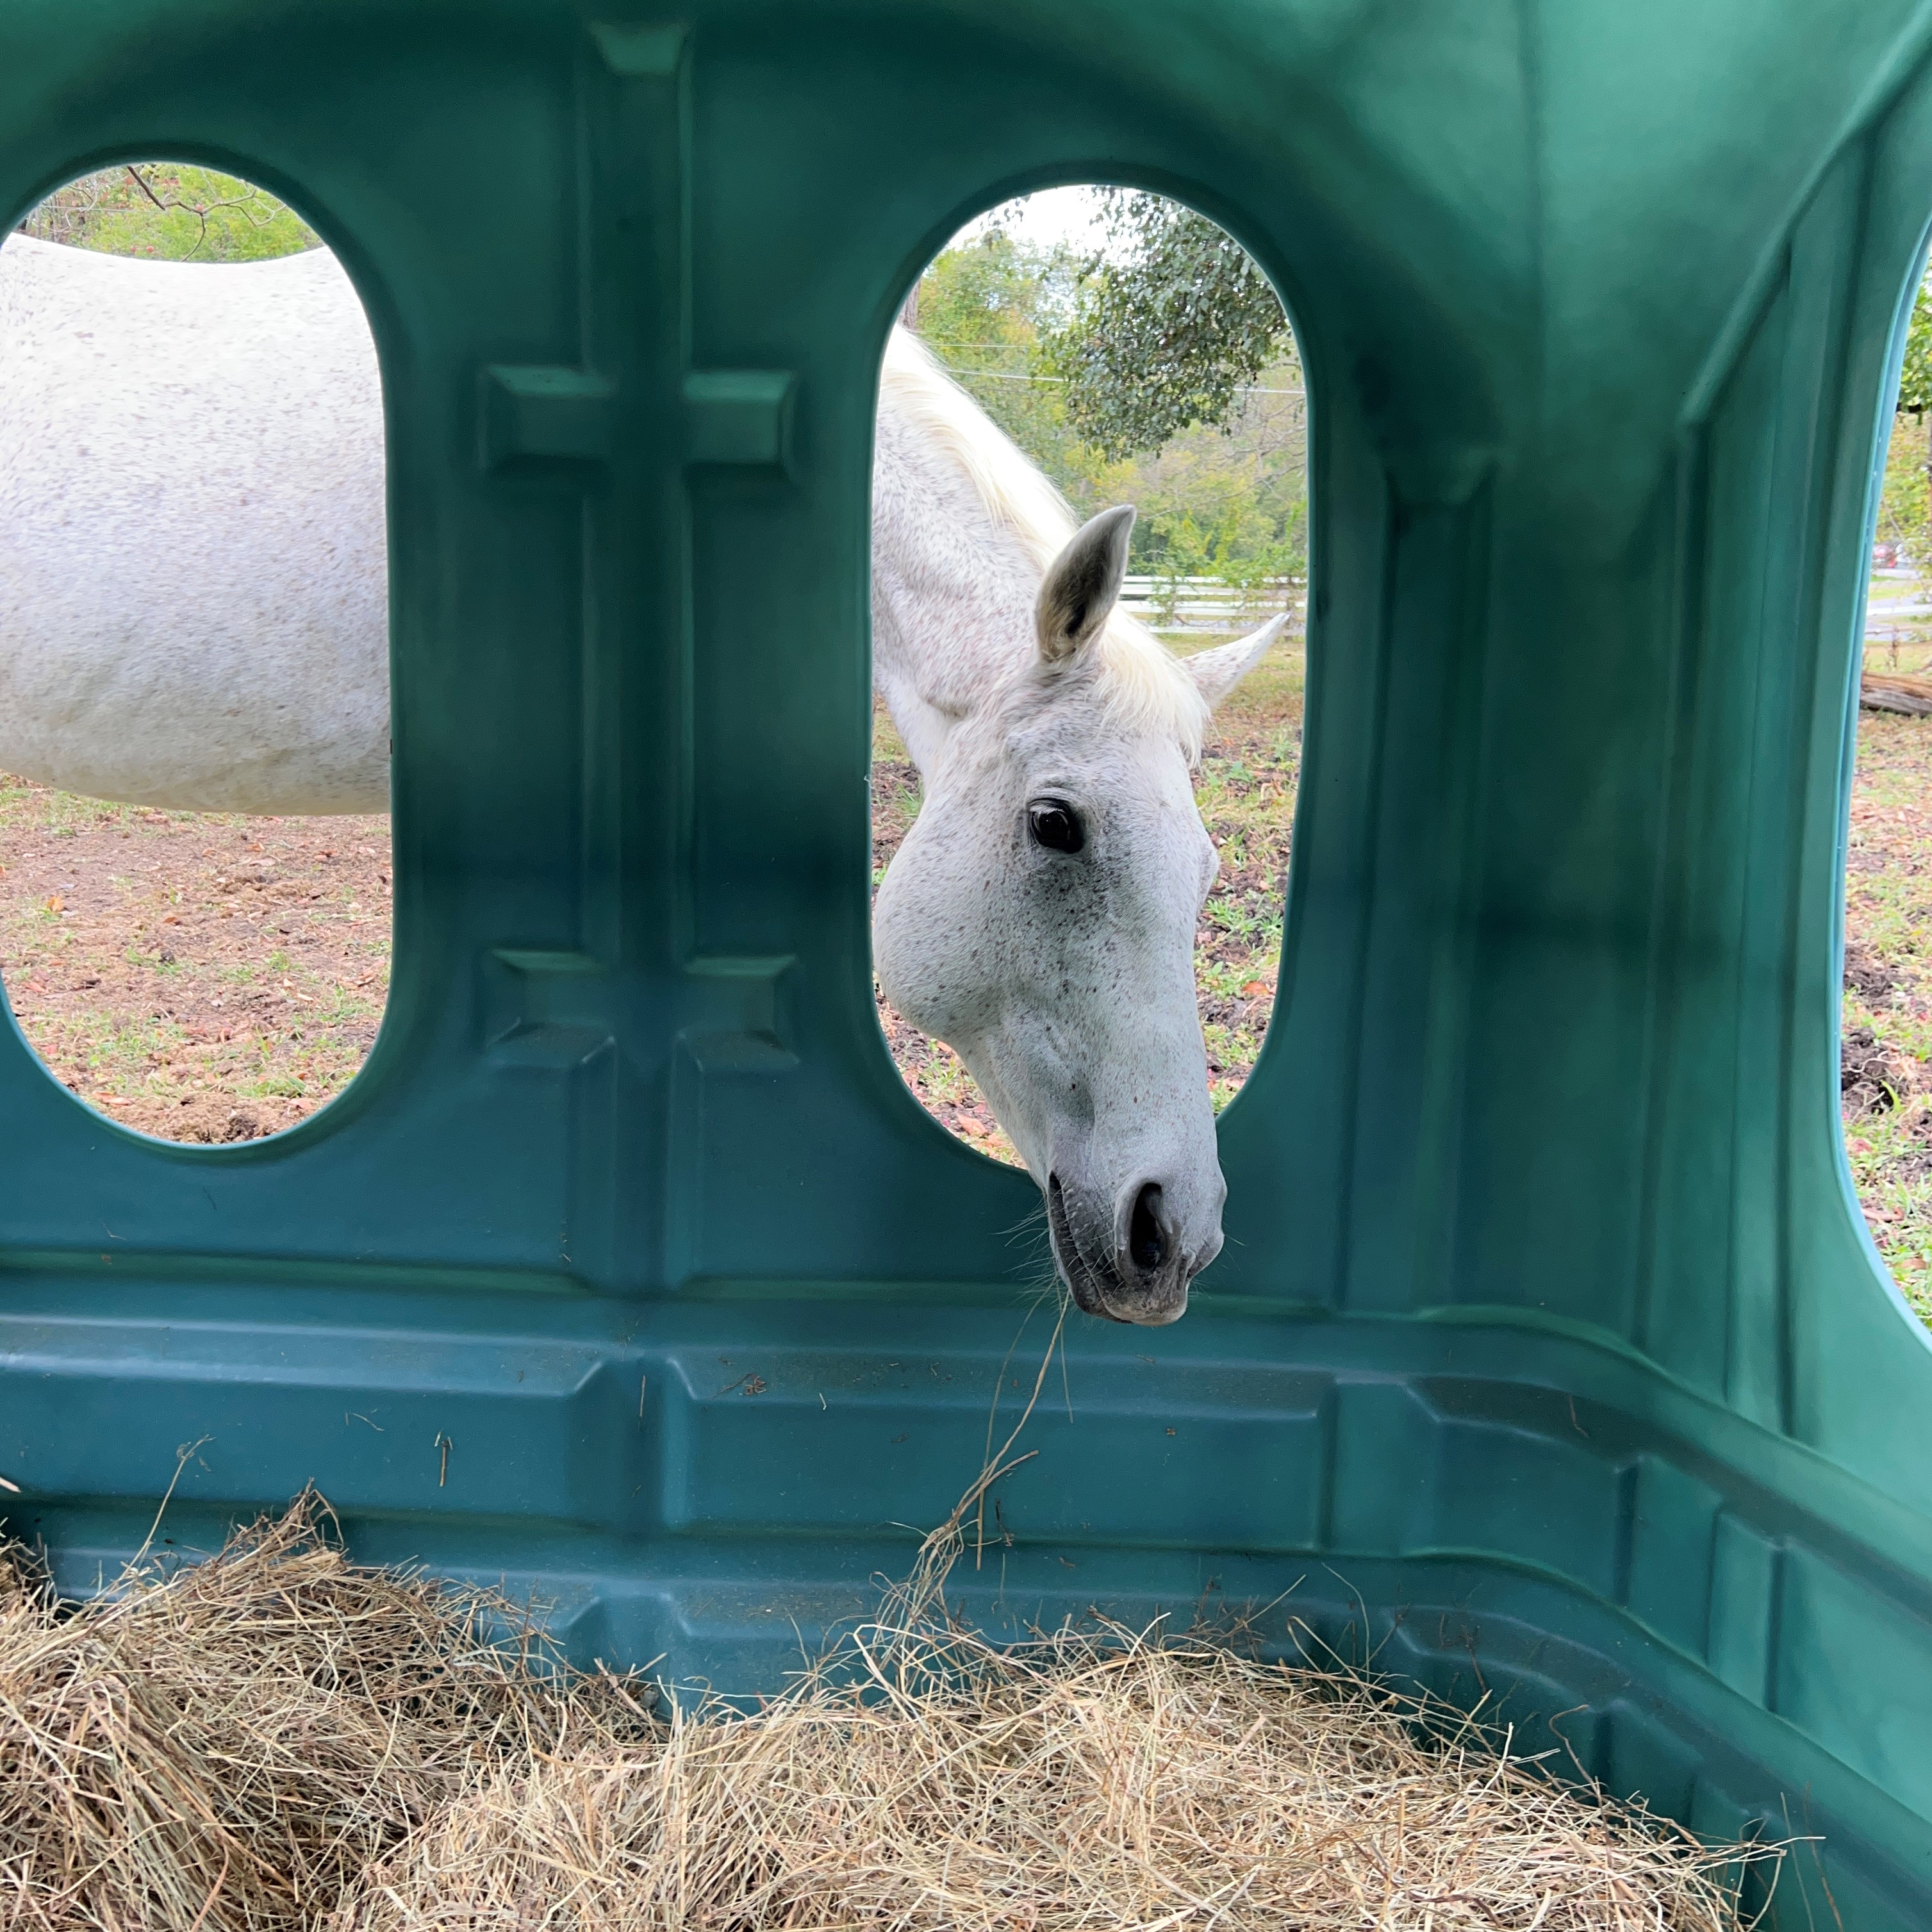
pixel 1056 825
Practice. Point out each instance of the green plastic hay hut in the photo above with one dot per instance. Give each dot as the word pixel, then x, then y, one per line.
pixel 1548 1351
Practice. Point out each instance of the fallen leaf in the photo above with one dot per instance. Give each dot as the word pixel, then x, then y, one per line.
pixel 53 902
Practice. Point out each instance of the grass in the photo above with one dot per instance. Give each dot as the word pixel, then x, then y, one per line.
pixel 1250 765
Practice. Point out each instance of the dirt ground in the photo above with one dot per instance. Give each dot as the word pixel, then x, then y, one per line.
pixel 214 978
pixel 1886 1070
pixel 200 977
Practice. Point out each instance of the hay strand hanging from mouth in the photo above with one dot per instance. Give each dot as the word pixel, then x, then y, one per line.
pixel 278 1739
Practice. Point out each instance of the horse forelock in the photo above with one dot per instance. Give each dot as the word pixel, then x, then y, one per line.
pixel 1141 685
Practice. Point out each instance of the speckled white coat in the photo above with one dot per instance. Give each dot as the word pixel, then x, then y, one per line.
pixel 193 582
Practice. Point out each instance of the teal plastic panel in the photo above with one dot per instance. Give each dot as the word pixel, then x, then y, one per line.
pixel 1548 1357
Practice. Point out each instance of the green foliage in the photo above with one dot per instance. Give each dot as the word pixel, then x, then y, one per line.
pixel 1905 500
pixel 1229 503
pixel 1915 381
pixel 1169 322
pixel 983 308
pixel 993 294
pixel 173 212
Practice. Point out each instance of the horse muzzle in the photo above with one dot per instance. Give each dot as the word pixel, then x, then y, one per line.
pixel 1129 1262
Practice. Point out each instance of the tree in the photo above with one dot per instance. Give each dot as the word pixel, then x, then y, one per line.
pixel 983 307
pixel 1228 502
pixel 1169 322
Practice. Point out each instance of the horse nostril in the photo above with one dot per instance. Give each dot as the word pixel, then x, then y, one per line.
pixel 1147 1246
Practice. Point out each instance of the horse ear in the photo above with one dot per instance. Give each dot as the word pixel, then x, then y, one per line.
pixel 1216 673
pixel 1077 596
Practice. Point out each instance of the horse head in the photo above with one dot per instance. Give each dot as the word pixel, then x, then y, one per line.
pixel 1040 918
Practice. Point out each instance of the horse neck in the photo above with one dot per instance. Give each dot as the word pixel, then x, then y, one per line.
pixel 953 592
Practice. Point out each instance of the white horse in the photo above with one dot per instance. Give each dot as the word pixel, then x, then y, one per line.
pixel 193 614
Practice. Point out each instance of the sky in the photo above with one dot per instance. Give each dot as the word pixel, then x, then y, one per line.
pixel 1054 214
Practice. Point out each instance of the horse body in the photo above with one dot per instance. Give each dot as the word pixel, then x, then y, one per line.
pixel 194 581
pixel 193 614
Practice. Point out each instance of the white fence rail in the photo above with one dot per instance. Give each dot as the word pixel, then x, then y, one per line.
pixel 1172 607
pixel 1898 609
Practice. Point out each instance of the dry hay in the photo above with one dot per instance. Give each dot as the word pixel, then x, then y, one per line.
pixel 279 1739
pixel 231 1745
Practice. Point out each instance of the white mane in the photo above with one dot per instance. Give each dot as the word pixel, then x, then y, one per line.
pixel 1142 680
